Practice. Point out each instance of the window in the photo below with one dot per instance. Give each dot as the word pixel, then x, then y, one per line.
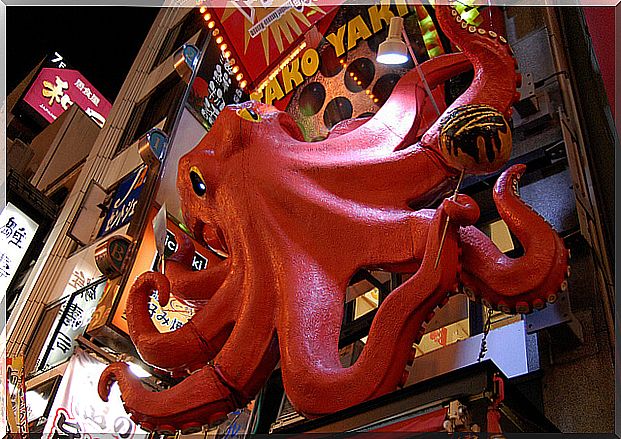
pixel 161 104
pixel 189 25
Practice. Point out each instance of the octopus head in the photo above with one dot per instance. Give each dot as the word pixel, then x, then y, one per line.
pixel 219 163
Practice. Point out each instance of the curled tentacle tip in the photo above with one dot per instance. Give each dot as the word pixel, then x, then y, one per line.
pixel 107 378
pixel 163 296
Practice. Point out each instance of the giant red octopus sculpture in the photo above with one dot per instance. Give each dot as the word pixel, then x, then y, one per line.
pixel 299 219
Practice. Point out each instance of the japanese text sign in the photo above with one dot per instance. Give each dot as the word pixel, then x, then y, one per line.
pixel 214 86
pixel 16 395
pixel 123 204
pixel 78 412
pixel 54 90
pixel 73 318
pixel 16 234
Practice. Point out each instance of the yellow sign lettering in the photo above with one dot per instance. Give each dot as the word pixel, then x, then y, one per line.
pixel 291 76
pixel 273 91
pixel 356 29
pixel 310 62
pixel 338 40
pixel 378 14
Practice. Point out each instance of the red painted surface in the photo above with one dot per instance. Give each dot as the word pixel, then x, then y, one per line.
pixel 601 23
pixel 429 422
pixel 299 219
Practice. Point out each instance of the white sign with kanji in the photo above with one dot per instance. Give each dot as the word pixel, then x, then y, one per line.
pixel 16 233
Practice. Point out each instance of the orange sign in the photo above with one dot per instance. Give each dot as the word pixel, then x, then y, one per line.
pixel 175 313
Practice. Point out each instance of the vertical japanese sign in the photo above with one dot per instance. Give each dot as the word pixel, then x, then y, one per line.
pixel 16 234
pixel 78 412
pixel 73 319
pixel 16 397
pixel 57 87
pixel 214 86
pixel 123 204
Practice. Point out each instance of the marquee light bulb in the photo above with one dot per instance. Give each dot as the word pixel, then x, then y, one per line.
pixel 223 47
pixel 227 54
pixel 202 9
pixel 243 84
pixel 239 76
pixel 219 40
pixel 211 24
pixel 235 69
pixel 207 17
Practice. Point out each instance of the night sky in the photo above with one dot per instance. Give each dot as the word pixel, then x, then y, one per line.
pixel 100 42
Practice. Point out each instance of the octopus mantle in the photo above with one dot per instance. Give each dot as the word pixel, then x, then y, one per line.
pixel 299 219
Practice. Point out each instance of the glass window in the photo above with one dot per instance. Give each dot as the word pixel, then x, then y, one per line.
pixel 158 106
pixel 189 25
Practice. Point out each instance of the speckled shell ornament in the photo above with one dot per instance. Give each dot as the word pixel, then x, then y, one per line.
pixel 476 138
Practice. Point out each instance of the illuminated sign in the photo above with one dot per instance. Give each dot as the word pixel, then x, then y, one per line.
pixel 16 234
pixel 175 313
pixel 78 412
pixel 214 86
pixel 123 204
pixel 110 255
pixel 259 32
pixel 56 88
pixel 16 397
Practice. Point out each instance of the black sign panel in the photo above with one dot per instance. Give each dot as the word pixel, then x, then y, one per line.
pixel 214 87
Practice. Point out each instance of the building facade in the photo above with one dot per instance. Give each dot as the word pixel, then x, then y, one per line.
pixel 196 60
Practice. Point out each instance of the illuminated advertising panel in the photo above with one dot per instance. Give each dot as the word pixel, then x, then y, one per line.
pixel 16 234
pixel 78 412
pixel 214 87
pixel 56 88
pixel 72 320
pixel 260 33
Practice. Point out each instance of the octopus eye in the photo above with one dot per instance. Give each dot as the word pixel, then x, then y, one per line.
pixel 249 114
pixel 198 184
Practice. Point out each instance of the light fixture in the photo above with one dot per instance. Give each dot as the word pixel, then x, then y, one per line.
pixel 138 370
pixel 393 50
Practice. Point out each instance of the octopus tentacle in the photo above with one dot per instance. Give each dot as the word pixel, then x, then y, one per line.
pixel 520 284
pixel 495 79
pixel 203 335
pixel 312 367
pixel 201 398
pixel 194 288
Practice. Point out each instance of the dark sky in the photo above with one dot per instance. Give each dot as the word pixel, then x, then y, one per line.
pixel 100 42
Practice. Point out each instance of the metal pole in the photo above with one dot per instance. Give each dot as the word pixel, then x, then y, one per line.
pixel 419 70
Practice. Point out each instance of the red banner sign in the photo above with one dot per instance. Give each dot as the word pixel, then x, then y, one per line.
pixel 55 90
